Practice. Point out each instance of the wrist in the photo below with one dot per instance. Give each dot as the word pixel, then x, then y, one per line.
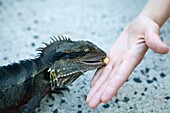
pixel 158 11
pixel 158 19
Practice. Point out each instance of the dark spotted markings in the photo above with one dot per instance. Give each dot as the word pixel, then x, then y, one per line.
pixel 162 75
pixel 62 101
pixel 116 100
pixel 50 105
pixel 33 44
pixel 151 81
pixel 79 106
pixel 55 111
pixel 137 80
pixel 167 97
pixel 106 106
pixel 1 4
pixel 147 70
pixel 36 36
pixel 79 111
pixel 126 99
pixel 5 58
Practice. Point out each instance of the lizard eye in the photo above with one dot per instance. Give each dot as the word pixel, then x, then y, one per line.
pixel 86 50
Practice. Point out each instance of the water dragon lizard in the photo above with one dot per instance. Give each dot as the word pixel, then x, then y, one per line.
pixel 24 84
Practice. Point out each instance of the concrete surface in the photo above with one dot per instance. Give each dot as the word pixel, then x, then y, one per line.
pixel 24 24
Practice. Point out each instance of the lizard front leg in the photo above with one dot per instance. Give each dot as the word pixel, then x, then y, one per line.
pixel 40 87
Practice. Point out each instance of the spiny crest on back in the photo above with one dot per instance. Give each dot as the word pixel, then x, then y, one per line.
pixel 54 40
pixel 60 38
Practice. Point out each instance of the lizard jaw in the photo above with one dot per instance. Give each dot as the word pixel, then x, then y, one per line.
pixel 93 62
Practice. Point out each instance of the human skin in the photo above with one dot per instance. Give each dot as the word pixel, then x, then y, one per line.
pixel 128 51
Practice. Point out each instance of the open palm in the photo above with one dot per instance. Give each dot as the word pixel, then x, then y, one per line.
pixel 125 54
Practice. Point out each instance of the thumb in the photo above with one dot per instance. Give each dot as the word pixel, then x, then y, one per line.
pixel 154 42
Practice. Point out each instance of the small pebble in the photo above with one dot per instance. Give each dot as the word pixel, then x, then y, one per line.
pixel 28 28
pixel 1 3
pixel 35 36
pixel 154 79
pixel 5 58
pixel 147 70
pixel 116 100
pixel 35 21
pixel 50 105
pixel 106 106
pixel 143 94
pixel 137 80
pixel 126 99
pixel 146 89
pixel 162 75
pixel 55 111
pixel 79 111
pixel 130 107
pixel 62 101
pixel 79 106
pixel 167 97
pixel 142 71
pixel 32 44
pixel 149 81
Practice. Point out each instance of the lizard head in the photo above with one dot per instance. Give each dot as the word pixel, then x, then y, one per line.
pixel 73 58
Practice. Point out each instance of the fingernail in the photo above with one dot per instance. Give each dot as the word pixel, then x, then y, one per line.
pixel 106 97
pixel 94 102
pixel 88 98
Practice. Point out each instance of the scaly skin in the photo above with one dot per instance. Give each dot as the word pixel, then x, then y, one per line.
pixel 24 84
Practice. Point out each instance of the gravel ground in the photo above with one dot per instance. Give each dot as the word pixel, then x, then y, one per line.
pixel 25 24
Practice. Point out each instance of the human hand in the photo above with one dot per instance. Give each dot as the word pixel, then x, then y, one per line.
pixel 125 54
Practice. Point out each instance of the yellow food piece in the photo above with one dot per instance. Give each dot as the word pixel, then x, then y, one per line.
pixel 106 60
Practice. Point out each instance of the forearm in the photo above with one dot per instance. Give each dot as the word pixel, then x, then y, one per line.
pixel 157 10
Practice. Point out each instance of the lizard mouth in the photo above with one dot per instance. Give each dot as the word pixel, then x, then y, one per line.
pixel 93 62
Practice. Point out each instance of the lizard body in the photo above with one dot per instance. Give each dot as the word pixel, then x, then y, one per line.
pixel 61 62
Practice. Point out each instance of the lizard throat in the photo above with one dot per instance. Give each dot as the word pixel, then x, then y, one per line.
pixel 63 80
